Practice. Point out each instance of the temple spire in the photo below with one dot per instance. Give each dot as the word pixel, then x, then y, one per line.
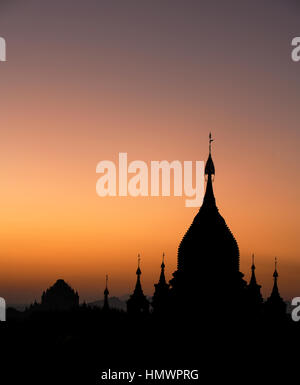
pixel 106 293
pixel 162 278
pixel 275 305
pixel 106 281
pixel 275 291
pixel 255 299
pixel 138 286
pixel 161 293
pixel 138 302
pixel 209 167
pixel 139 261
pixel 253 278
pixel 210 141
pixel 209 198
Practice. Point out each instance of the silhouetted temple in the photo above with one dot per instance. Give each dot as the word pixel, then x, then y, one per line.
pixel 138 303
pixel 254 297
pixel 60 296
pixel 208 258
pixel 161 297
pixel 207 280
pixel 275 305
pixel 106 293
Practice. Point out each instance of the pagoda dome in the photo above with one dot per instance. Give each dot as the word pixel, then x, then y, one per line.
pixel 209 243
pixel 60 296
pixel 208 255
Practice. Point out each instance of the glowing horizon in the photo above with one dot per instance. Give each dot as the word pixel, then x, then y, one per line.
pixel 83 83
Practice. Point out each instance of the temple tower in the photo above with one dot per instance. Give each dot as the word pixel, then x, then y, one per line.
pixel 60 297
pixel 275 305
pixel 208 258
pixel 138 303
pixel 254 296
pixel 106 294
pixel 160 299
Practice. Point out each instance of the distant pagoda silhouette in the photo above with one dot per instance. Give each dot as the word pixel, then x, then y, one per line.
pixel 161 297
pixel 207 282
pixel 106 294
pixel 138 303
pixel 254 297
pixel 60 296
pixel 275 305
pixel 208 258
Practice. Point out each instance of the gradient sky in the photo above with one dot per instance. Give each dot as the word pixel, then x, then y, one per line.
pixel 86 80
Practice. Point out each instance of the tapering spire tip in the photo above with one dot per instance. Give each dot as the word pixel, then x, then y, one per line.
pixel 209 167
pixel 275 275
pixel 138 272
pixel 163 261
pixel 210 141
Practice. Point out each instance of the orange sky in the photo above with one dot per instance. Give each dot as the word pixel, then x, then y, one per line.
pixel 79 89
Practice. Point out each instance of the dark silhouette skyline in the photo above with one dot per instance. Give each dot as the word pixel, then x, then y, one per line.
pixel 231 90
pixel 85 79
pixel 200 319
pixel 207 274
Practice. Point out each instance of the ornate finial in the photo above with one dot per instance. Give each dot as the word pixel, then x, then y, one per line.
pixel 209 167
pixel 210 141
pixel 252 282
pixel 106 292
pixel 138 272
pixel 163 261
pixel 275 275
pixel 253 266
